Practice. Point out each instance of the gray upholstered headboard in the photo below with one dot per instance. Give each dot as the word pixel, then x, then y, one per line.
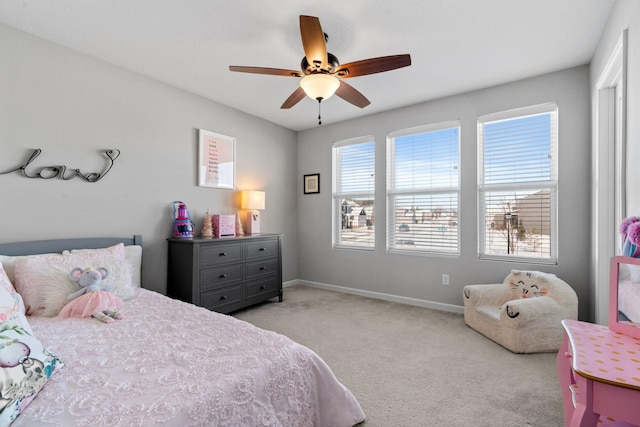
pixel 59 245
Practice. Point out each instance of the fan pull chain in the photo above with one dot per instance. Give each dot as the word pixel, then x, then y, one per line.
pixel 319 118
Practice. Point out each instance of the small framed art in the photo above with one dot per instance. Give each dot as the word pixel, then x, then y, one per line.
pixel 312 183
pixel 216 160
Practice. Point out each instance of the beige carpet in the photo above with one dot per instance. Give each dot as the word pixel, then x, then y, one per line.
pixel 412 366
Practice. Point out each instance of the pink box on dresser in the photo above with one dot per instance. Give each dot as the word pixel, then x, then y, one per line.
pixel 224 225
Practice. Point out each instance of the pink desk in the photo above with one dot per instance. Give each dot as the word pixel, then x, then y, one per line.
pixel 599 372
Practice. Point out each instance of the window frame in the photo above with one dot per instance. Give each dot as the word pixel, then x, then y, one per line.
pixel 551 184
pixel 336 206
pixel 392 194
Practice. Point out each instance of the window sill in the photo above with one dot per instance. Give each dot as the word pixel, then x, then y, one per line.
pixel 518 259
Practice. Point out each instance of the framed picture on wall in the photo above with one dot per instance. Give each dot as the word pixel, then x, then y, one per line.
pixel 312 183
pixel 216 160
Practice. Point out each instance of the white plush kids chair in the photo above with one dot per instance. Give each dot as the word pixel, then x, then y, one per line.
pixel 524 312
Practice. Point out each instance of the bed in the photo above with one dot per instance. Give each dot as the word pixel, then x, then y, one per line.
pixel 166 363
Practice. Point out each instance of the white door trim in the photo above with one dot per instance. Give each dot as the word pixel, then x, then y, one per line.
pixel 609 172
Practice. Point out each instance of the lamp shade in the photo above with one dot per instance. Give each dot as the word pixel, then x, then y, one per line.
pixel 319 85
pixel 252 200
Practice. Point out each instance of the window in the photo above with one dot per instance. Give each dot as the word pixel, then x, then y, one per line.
pixel 354 193
pixel 423 189
pixel 517 184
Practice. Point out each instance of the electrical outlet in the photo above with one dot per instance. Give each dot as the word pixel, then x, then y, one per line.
pixel 445 279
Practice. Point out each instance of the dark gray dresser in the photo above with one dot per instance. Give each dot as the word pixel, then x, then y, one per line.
pixel 225 274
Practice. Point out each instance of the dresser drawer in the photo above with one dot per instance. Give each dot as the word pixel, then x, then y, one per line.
pixel 220 254
pixel 261 268
pixel 265 286
pixel 215 300
pixel 220 276
pixel 263 249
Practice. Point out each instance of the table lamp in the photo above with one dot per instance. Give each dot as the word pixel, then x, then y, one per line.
pixel 253 200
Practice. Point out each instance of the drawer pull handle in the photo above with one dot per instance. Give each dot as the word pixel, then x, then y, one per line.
pixel 263 287
pixel 223 276
pixel 263 268
pixel 263 249
pixel 222 298
pixel 223 254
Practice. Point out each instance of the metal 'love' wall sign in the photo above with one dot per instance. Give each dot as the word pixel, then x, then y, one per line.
pixel 48 172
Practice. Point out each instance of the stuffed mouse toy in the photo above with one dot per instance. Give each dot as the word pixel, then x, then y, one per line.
pixel 93 299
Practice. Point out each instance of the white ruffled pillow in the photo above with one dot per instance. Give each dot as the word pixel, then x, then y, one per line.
pixel 132 253
pixel 44 283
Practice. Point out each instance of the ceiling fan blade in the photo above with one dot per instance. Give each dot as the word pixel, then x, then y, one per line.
pixel 294 98
pixel 263 70
pixel 350 94
pixel 313 42
pixel 373 65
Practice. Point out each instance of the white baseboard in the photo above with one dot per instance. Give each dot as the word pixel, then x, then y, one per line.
pixel 290 283
pixel 379 295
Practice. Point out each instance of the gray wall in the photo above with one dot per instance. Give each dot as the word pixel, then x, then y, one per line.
pixel 73 107
pixel 419 277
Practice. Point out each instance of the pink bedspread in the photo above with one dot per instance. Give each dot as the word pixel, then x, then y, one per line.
pixel 171 363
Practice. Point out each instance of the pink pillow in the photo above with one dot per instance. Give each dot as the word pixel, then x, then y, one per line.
pixel 35 272
pixel 44 283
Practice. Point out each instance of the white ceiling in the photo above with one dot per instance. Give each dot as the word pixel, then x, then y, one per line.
pixel 456 45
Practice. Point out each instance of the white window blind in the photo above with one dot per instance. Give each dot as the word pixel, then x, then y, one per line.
pixel 423 189
pixel 518 183
pixel 354 193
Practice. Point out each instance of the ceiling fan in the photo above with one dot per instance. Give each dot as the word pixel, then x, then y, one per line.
pixel 322 75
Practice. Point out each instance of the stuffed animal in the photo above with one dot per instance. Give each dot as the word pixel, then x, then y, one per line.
pixel 93 299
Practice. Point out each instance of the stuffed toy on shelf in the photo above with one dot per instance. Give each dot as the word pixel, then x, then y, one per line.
pixel 93 299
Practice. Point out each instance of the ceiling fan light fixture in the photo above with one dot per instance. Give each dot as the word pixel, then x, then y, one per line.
pixel 319 86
